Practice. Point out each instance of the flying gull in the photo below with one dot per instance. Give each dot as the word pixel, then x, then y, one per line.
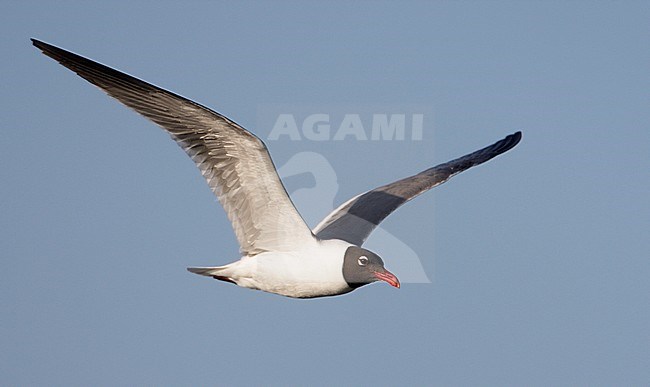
pixel 280 254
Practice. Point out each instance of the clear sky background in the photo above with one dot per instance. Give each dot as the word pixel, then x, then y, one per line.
pixel 539 260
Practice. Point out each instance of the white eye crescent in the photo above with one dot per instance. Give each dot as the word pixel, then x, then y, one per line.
pixel 363 260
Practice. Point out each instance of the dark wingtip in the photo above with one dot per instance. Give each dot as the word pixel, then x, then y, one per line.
pixel 509 142
pixel 47 49
pixel 514 138
pixel 38 43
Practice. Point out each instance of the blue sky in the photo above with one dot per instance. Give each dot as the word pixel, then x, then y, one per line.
pixel 538 260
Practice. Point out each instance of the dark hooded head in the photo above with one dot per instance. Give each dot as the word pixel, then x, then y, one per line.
pixel 361 267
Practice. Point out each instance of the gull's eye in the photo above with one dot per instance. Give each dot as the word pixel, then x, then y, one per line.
pixel 363 260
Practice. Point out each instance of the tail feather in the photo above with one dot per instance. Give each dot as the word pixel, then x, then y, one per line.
pixel 207 271
pixel 213 272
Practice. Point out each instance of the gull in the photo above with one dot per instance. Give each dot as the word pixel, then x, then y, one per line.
pixel 279 253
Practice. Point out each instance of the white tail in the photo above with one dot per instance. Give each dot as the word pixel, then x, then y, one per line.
pixel 214 272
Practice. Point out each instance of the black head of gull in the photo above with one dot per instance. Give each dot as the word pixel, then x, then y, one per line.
pixel 279 253
pixel 362 267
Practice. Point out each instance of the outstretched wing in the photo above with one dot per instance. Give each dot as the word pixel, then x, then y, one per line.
pixel 235 163
pixel 354 220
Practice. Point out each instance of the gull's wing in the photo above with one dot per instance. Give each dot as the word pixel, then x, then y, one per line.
pixel 235 163
pixel 355 219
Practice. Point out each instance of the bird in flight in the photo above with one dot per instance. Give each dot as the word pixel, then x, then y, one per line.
pixel 279 253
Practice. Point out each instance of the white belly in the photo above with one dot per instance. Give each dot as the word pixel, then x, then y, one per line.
pixel 316 271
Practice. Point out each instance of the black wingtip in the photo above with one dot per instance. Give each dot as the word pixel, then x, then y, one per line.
pixel 44 47
pixel 511 141
pixel 38 43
